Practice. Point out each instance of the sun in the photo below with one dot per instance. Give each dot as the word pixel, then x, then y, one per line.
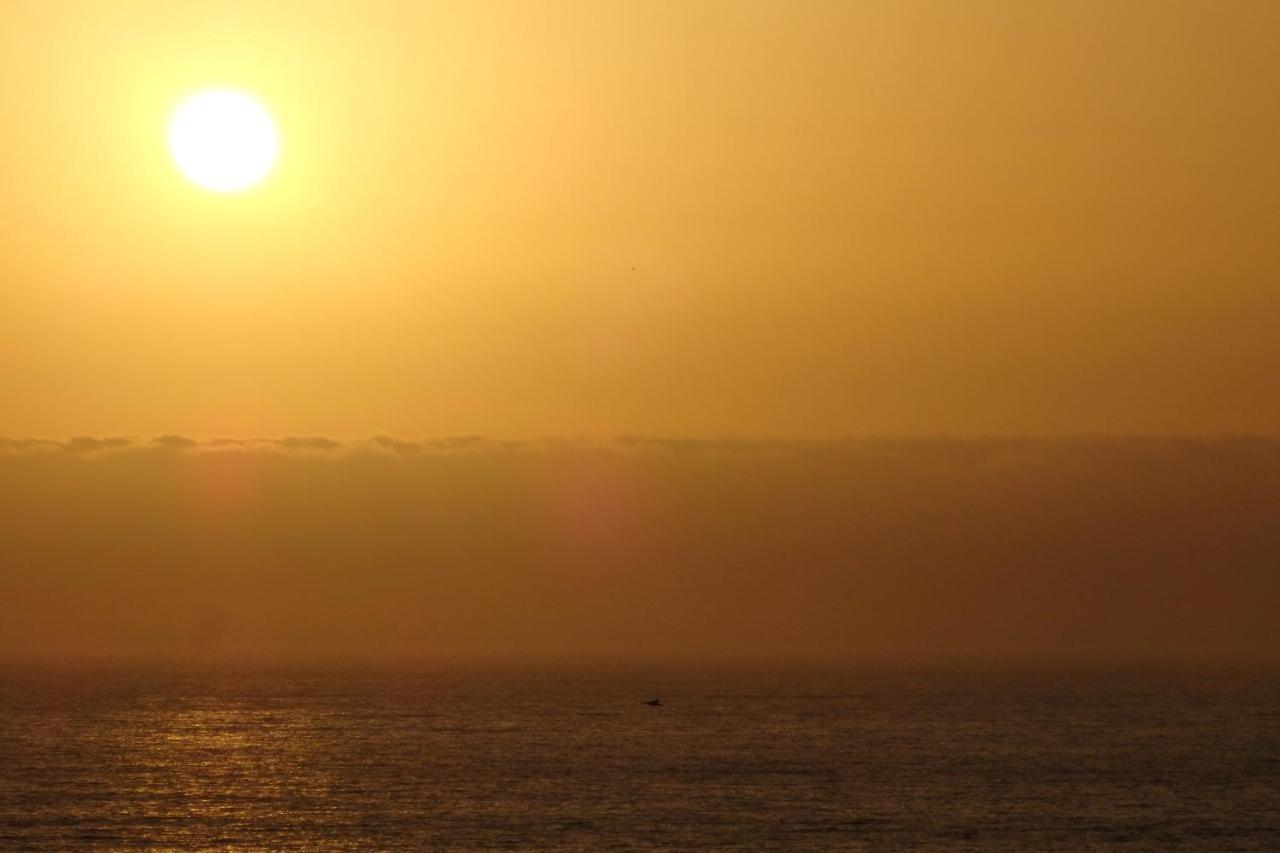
pixel 223 140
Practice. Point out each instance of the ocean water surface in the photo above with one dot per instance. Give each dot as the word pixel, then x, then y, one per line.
pixel 423 757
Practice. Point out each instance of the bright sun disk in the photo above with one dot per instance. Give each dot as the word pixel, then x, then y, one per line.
pixel 223 140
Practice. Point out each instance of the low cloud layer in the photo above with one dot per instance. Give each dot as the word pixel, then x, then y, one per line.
pixel 468 547
pixel 84 444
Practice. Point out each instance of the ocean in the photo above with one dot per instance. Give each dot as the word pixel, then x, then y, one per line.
pixel 479 758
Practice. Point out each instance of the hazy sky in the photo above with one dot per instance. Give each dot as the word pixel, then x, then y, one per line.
pixel 997 549
pixel 675 218
pixel 801 235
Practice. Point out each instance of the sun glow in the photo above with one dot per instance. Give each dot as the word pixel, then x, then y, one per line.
pixel 223 140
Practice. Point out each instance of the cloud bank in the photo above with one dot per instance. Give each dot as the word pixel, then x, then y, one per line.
pixel 469 547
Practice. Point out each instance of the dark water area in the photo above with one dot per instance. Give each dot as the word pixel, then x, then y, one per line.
pixel 443 757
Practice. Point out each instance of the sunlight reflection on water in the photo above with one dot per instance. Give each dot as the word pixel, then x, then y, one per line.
pixel 383 757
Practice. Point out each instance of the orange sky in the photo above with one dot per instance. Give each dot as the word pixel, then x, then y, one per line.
pixel 1093 550
pixel 710 218
pixel 774 228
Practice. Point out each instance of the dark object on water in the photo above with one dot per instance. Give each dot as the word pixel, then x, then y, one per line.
pixel 654 703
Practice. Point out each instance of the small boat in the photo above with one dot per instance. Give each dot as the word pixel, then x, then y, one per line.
pixel 654 703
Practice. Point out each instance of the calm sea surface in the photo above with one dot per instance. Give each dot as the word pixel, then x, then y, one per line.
pixel 347 757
